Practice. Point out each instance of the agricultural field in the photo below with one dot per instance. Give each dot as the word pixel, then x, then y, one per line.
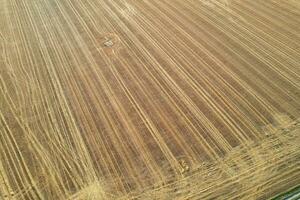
pixel 149 99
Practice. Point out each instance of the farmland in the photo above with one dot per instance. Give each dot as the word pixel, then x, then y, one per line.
pixel 149 99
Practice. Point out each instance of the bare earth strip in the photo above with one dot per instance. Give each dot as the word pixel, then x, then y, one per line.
pixel 149 99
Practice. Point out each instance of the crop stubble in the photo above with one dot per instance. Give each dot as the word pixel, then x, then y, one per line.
pixel 163 99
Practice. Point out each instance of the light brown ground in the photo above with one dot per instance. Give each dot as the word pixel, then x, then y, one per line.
pixel 149 99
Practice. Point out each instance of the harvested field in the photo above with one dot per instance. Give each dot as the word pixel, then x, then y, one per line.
pixel 149 99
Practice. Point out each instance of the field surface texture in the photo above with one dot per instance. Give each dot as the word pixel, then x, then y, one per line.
pixel 149 99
